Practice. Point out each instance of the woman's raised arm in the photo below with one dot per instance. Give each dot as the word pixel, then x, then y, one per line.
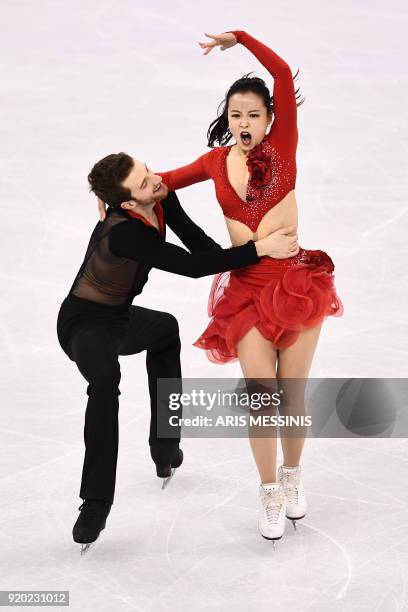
pixel 284 126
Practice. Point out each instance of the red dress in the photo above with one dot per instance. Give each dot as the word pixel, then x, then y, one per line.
pixel 280 297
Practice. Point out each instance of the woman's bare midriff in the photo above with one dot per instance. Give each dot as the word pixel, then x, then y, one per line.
pixel 280 216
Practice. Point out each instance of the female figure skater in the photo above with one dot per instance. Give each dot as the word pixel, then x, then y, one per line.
pixel 268 315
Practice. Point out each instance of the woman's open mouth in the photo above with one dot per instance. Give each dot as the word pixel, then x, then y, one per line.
pixel 246 138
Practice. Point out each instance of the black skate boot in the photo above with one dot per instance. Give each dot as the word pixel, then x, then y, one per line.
pixel 90 522
pixel 167 471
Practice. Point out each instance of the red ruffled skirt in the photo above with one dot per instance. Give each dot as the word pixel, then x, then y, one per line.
pixel 280 297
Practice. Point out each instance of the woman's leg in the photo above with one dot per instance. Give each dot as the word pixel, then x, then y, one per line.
pixel 295 362
pixel 257 358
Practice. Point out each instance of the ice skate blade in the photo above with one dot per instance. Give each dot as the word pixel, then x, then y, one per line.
pixel 86 547
pixel 167 480
pixel 273 540
pixel 294 520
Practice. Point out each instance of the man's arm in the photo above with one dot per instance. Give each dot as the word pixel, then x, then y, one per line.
pixel 279 244
pixel 134 240
pixel 190 234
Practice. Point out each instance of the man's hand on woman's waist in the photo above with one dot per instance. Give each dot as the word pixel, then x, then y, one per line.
pixel 280 244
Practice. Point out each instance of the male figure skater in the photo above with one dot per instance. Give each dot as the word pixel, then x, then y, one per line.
pixel 97 321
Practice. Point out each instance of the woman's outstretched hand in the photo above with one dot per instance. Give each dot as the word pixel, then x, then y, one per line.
pixel 101 209
pixel 224 41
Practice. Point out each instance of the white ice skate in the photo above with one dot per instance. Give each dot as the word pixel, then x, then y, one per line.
pixel 273 509
pixel 296 504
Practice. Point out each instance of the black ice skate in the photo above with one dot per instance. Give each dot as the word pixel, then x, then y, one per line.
pixel 90 522
pixel 167 471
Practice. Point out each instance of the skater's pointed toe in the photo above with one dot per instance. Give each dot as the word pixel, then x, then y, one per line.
pixel 166 471
pixel 163 471
pixel 83 535
pixel 91 521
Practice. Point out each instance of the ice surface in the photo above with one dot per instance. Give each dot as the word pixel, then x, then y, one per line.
pixel 80 80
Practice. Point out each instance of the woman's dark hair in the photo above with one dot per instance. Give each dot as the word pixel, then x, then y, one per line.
pixel 106 177
pixel 219 130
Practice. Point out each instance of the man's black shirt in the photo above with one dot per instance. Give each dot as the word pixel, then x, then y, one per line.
pixel 122 250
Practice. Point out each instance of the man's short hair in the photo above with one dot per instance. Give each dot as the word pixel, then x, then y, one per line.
pixel 106 177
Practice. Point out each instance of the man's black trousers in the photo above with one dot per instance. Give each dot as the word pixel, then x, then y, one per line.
pixel 94 335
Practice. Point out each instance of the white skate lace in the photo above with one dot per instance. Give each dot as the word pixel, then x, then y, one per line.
pixel 290 483
pixel 273 503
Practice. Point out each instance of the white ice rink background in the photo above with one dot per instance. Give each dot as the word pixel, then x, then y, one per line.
pixel 80 80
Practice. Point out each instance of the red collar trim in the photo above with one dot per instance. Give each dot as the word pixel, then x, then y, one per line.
pixel 158 209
